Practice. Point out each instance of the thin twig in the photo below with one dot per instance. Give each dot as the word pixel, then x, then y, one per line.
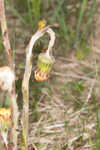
pixel 76 76
pixel 54 126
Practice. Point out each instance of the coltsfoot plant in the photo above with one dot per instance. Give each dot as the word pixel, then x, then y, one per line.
pixel 9 116
pixel 44 66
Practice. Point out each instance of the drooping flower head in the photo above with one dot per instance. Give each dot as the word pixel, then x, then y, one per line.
pixel 44 66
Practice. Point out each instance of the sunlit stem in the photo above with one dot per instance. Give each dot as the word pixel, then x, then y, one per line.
pixel 52 41
pixel 10 63
pixel 25 86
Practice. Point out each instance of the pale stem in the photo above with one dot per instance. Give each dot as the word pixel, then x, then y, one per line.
pixel 5 36
pixel 52 41
pixel 25 83
pixel 3 139
pixel 10 63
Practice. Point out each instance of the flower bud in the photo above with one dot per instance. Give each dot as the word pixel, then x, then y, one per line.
pixel 44 66
pixel 41 24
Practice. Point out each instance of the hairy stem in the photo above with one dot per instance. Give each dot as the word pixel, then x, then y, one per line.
pixel 4 30
pixel 25 87
pixel 10 63
pixel 2 139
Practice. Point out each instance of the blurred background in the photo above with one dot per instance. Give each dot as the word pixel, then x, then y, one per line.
pixel 65 110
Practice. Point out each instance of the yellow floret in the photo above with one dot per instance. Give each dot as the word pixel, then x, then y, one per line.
pixel 41 24
pixel 5 118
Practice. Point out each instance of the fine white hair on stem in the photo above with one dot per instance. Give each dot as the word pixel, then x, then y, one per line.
pixel 34 38
pixel 39 34
pixel 52 40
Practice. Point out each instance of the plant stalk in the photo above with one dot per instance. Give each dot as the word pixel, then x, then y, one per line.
pixel 10 62
pixel 25 87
